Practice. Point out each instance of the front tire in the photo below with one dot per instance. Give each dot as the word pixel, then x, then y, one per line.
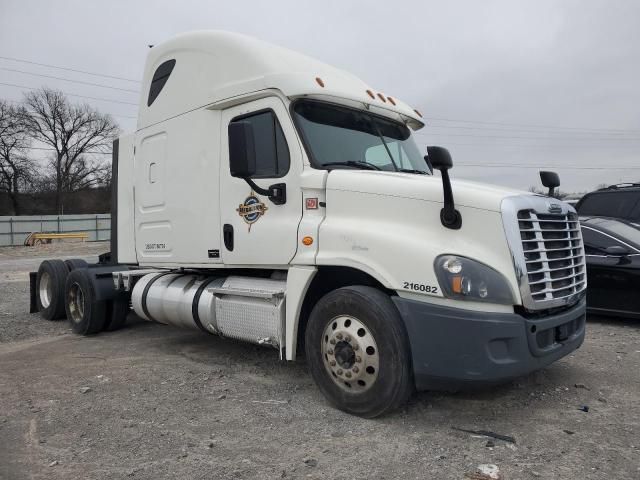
pixel 358 351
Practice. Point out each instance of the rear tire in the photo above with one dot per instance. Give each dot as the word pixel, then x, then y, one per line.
pixel 358 351
pixel 74 263
pixel 86 315
pixel 117 313
pixel 50 288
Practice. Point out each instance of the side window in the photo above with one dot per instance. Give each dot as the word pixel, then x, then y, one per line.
pixel 609 204
pixel 272 151
pixel 635 214
pixel 595 242
pixel 160 77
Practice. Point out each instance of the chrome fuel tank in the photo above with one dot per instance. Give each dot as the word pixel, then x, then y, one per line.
pixel 245 308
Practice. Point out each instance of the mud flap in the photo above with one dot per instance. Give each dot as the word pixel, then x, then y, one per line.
pixel 33 304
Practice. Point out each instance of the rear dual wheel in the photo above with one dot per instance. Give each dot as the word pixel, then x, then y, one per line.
pixel 358 351
pixel 50 286
pixel 86 315
pixel 50 282
pixel 64 289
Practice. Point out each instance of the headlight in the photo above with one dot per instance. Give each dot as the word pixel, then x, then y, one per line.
pixel 465 279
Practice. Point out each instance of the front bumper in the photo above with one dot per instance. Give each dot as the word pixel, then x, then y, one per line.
pixel 453 348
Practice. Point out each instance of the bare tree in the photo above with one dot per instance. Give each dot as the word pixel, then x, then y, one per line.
pixel 556 194
pixel 17 170
pixel 77 134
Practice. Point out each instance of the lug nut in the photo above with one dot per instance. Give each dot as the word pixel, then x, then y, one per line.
pixel 358 359
pixel 356 346
pixel 355 369
pixel 339 371
pixel 348 374
pixel 332 363
pixel 330 351
pixel 339 336
pixel 332 341
pixel 347 338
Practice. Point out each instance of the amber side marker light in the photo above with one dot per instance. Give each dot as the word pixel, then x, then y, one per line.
pixel 370 93
pixel 319 82
pixel 456 284
pixel 307 241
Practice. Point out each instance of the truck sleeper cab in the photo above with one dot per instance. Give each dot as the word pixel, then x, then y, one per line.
pixel 271 198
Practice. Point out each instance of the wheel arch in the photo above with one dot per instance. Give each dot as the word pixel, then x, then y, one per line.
pixel 325 280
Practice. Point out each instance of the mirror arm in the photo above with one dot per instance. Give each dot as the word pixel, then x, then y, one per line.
pixel 449 216
pixel 277 192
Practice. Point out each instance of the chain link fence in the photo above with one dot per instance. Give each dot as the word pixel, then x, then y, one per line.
pixel 14 230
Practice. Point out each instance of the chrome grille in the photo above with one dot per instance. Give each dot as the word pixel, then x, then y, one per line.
pixel 553 254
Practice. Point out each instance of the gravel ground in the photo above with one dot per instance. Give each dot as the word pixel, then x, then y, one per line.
pixel 154 402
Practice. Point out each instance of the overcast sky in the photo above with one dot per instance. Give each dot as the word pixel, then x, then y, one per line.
pixel 509 86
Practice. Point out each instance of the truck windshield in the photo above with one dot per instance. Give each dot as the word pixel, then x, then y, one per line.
pixel 343 137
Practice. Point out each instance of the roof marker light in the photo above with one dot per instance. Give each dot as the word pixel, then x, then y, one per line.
pixel 419 114
pixel 319 82
pixel 370 93
pixel 393 102
pixel 381 97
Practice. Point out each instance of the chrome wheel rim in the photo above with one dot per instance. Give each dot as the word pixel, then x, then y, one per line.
pixel 76 303
pixel 350 354
pixel 46 290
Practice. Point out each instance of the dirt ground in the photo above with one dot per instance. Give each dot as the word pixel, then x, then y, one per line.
pixel 154 402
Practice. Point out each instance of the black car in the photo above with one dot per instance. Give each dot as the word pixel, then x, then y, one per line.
pixel 617 201
pixel 612 248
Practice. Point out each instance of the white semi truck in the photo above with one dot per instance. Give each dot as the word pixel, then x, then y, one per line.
pixel 271 198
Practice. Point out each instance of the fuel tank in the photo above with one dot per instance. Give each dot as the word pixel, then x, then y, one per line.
pixel 245 308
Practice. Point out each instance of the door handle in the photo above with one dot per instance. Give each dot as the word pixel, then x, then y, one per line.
pixel 227 235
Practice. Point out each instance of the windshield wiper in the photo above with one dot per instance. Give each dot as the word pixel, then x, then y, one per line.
pixel 353 163
pixel 409 170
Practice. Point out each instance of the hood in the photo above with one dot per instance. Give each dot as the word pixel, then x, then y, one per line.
pixel 420 187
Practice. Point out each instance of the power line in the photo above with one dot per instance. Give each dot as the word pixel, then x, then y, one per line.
pixel 70 69
pixel 479 122
pixel 529 125
pixel 68 80
pixel 487 165
pixel 557 167
pixel 22 103
pixel 53 150
pixel 519 137
pixel 464 127
pixel 73 95
pixel 531 145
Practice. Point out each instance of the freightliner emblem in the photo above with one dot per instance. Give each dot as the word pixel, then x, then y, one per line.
pixel 554 207
pixel 252 209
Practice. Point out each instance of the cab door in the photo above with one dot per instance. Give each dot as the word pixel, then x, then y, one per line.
pixel 256 231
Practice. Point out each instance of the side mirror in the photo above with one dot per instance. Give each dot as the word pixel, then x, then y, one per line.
pixel 616 250
pixel 242 161
pixel 440 159
pixel 242 150
pixel 551 180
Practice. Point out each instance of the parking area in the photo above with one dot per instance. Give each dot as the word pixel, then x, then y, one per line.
pixel 153 402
